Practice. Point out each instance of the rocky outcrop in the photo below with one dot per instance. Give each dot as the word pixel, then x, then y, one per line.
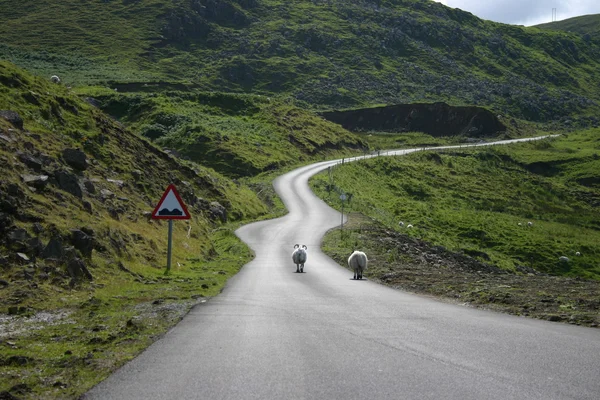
pixel 436 119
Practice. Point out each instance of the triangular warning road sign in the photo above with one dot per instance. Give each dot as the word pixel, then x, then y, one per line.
pixel 170 206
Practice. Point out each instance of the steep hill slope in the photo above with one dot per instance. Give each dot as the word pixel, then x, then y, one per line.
pixel 588 26
pixel 340 53
pixel 82 267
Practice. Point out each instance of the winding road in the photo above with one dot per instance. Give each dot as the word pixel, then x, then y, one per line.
pixel 276 334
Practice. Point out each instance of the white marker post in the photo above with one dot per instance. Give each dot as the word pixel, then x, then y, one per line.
pixel 170 207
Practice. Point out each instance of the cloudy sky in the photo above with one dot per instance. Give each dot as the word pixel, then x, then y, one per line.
pixel 525 12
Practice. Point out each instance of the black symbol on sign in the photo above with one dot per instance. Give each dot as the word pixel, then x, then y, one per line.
pixel 166 211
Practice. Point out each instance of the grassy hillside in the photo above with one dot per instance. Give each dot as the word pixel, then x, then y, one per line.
pixel 338 53
pixel 588 26
pixel 480 201
pixel 82 267
pixel 236 134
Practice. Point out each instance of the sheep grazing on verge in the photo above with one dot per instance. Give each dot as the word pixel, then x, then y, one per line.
pixel 55 79
pixel 409 226
pixel 299 257
pixel 578 254
pixel 358 263
pixel 530 224
pixel 563 259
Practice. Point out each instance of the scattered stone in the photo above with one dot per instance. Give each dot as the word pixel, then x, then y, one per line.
pixel 217 211
pixel 12 117
pixel 30 161
pixel 69 183
pixel 54 249
pixel 106 194
pixel 23 257
pixel 75 158
pixel 7 396
pixel 137 174
pixel 117 182
pixel 18 235
pixel 77 269
pixel 82 242
pixel 37 181
pixel 89 186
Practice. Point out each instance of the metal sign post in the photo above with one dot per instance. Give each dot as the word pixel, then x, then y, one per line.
pixel 342 198
pixel 169 247
pixel 170 207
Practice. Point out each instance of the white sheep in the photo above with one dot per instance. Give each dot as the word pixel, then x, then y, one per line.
pixel 563 259
pixel 409 226
pixel 299 257
pixel 530 224
pixel 577 254
pixel 358 263
pixel 519 224
pixel 55 79
pixel 401 223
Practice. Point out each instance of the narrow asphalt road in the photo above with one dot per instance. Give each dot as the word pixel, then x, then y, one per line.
pixel 276 334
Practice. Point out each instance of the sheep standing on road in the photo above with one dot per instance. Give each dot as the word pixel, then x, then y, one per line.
pixel 299 257
pixel 358 263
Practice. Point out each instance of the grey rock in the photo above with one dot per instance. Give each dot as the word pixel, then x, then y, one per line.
pixel 89 186
pixel 12 117
pixel 37 181
pixel 69 183
pixel 18 235
pixel 77 269
pixel 82 242
pixel 54 249
pixel 217 211
pixel 30 161
pixel 75 158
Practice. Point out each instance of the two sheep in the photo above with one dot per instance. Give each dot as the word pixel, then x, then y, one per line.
pixel 299 257
pixel 358 263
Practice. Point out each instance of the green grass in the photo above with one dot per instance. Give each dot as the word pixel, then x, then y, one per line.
pixel 474 200
pixel 236 134
pixel 334 55
pixel 586 25
pixel 97 326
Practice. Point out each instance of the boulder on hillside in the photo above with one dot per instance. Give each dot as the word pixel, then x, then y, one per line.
pixel 82 242
pixel 217 211
pixel 77 270
pixel 12 117
pixel 54 249
pixel 30 161
pixel 75 158
pixel 69 183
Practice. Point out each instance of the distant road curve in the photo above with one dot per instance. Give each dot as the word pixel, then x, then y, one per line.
pixel 276 334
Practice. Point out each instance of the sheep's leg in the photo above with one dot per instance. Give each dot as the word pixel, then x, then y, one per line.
pixel 354 275
pixel 297 267
pixel 302 268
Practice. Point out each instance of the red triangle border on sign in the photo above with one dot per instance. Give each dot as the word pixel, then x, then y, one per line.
pixel 186 214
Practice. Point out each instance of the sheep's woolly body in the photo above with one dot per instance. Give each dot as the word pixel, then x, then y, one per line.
pixel 299 256
pixel 358 262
